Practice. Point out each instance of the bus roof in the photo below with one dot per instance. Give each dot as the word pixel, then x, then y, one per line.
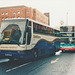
pixel 67 26
pixel 33 21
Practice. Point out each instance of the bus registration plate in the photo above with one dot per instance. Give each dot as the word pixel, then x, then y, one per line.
pixel 8 54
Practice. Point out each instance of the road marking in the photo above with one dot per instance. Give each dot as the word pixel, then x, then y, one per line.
pixel 54 61
pixel 58 53
pixel 4 60
pixel 17 67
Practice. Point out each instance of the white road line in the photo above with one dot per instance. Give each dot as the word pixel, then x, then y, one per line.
pixel 17 67
pixel 58 53
pixel 54 61
pixel 4 60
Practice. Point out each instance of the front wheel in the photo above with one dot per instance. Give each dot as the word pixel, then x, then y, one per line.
pixel 35 54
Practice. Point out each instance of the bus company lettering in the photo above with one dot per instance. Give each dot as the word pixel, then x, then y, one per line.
pixel 8 47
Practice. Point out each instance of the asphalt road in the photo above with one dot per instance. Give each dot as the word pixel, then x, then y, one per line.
pixel 60 64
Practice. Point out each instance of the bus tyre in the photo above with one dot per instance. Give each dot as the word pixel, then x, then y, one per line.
pixel 35 54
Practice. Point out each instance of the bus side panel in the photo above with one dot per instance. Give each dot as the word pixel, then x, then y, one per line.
pixel 57 45
pixel 46 48
pixel 27 54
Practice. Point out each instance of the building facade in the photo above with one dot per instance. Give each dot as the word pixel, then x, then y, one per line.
pixel 23 12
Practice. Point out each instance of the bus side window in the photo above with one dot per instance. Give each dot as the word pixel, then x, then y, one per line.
pixel 38 28
pixel 72 34
pixel 29 23
pixel 29 36
pixel 24 37
pixel 35 27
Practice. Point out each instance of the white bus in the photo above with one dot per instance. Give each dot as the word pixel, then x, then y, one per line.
pixel 27 39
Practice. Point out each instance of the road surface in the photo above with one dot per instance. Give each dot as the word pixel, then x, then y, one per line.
pixel 60 64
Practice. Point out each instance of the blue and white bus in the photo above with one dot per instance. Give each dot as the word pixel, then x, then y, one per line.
pixel 26 39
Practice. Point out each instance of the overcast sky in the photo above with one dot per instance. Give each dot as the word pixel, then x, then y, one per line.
pixel 57 9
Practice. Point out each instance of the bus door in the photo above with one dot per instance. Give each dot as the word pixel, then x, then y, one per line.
pixel 28 35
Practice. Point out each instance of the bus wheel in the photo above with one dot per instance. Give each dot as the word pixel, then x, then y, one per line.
pixel 35 53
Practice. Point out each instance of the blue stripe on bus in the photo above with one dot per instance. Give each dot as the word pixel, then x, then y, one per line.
pixel 44 48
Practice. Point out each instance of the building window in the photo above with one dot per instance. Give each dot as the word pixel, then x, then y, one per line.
pixel 18 17
pixel 27 12
pixel 14 12
pixel 6 13
pixel 14 17
pixel 27 16
pixel 6 18
pixel 37 14
pixel 2 13
pixel 34 12
pixel 2 18
pixel 18 12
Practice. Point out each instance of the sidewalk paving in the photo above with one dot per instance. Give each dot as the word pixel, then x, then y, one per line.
pixel 71 70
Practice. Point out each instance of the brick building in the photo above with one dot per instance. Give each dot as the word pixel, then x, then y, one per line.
pixel 23 12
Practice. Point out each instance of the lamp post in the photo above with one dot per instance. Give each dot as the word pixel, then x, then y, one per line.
pixel 67 18
pixel 61 22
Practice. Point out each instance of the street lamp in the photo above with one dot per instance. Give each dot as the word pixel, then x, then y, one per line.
pixel 61 22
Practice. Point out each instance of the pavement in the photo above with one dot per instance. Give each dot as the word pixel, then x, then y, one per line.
pixel 71 70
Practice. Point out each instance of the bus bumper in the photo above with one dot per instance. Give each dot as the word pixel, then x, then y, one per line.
pixel 15 55
pixel 68 49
